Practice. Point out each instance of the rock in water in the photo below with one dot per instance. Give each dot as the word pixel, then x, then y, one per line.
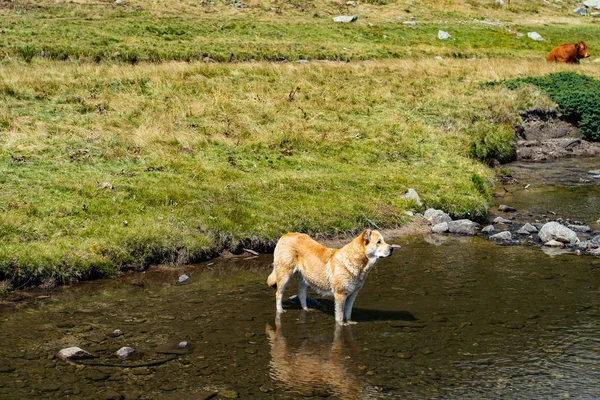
pixel 125 353
pixel 555 231
pixel 74 353
pixel 463 227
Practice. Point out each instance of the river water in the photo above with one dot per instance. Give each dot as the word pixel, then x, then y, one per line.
pixel 444 317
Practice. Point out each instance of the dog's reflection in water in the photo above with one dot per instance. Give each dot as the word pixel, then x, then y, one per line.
pixel 314 367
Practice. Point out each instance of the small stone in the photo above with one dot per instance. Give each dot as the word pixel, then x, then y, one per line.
pixel 229 394
pixel 580 228
pixel 182 345
pixel 502 236
pixel 74 353
pixel 505 208
pixel 404 356
pixel 442 35
pixel 463 227
pixel 440 228
pixel 117 333
pixel 105 185
pixel 500 220
pixel 488 229
pixel 345 18
pixel 112 395
pixel 411 194
pixel 125 353
pixel 534 36
pixel 554 243
pixel 183 279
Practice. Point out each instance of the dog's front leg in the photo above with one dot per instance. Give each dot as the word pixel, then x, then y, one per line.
pixel 340 300
pixel 348 308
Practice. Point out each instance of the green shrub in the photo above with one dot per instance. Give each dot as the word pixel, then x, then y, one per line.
pixel 578 97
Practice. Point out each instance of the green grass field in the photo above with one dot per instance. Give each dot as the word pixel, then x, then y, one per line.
pixel 203 156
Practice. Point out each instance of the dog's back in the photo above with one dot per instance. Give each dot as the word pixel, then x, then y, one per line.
pixel 297 251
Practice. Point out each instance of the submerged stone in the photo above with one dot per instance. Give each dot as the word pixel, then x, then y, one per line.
pixel 74 353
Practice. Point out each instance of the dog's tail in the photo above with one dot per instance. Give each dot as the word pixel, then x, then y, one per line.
pixel 272 279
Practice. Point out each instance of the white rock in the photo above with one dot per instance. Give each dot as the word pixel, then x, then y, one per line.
pixel 442 35
pixel 534 36
pixel 506 235
pixel 555 231
pixel 74 353
pixel 125 352
pixel 345 18
pixel 440 228
pixel 411 194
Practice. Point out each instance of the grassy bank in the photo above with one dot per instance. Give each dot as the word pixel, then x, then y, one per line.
pixel 106 165
pixel 219 31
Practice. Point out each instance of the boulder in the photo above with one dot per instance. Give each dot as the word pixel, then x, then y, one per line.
pixel 580 11
pixel 411 194
pixel 555 231
pixel 592 4
pixel 440 228
pixel 436 216
pixel 463 227
pixel 502 236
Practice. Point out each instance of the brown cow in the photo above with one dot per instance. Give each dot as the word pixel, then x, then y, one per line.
pixel 568 53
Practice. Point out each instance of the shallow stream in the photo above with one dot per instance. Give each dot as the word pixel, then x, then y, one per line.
pixel 444 317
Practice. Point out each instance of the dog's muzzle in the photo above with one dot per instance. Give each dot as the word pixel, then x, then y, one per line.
pixel 394 246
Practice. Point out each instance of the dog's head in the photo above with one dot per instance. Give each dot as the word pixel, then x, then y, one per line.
pixel 375 246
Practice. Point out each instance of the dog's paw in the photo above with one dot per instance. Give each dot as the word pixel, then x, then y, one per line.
pixel 348 323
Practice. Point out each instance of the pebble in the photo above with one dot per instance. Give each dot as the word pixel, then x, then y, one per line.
pixel 505 208
pixel 183 279
pixel 229 394
pixel 125 353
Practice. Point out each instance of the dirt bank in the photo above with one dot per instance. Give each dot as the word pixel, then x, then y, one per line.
pixel 544 135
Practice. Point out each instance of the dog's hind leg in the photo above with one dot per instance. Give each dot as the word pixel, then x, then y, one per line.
pixel 302 288
pixel 282 282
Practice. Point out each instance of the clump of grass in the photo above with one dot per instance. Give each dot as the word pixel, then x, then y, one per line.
pixel 27 52
pixel 492 143
pixel 577 95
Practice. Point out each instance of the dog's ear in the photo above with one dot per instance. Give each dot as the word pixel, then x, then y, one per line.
pixel 366 236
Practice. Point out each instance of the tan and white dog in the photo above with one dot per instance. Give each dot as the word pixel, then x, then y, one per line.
pixel 338 272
